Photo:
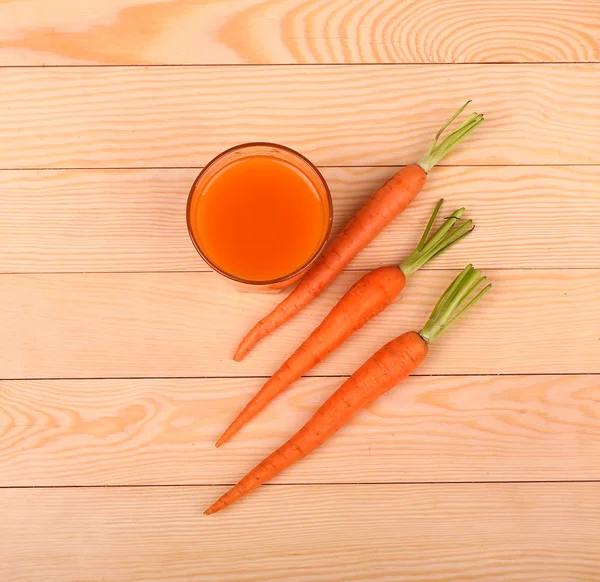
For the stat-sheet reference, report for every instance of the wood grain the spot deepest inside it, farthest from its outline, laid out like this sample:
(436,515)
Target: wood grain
(100,283)
(143,32)
(407,533)
(133,220)
(151,432)
(336,115)
(188,324)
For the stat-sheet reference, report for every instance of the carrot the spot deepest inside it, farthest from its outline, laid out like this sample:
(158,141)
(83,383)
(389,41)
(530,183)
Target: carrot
(366,298)
(387,203)
(385,368)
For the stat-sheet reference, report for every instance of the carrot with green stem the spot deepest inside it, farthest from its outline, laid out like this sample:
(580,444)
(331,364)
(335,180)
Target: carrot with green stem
(387,203)
(382,371)
(364,300)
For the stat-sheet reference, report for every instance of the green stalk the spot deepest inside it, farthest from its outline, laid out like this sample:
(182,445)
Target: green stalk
(438,151)
(454,237)
(430,224)
(450,292)
(459,297)
(445,237)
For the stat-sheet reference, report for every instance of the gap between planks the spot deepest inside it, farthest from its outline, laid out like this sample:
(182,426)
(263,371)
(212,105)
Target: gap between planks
(320,166)
(325,64)
(320,484)
(258,377)
(351,270)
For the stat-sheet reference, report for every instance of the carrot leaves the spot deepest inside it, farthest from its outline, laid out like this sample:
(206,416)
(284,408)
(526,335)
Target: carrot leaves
(438,151)
(466,290)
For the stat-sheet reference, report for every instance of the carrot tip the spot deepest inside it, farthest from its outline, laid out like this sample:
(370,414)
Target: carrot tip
(231,430)
(216,506)
(245,346)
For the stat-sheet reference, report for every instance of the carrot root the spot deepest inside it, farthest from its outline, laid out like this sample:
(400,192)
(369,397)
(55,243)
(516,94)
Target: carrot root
(250,340)
(383,370)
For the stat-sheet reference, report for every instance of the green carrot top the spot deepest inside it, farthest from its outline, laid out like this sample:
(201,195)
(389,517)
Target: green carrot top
(461,295)
(445,237)
(437,152)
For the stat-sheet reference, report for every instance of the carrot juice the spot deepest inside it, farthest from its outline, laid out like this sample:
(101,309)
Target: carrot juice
(261,216)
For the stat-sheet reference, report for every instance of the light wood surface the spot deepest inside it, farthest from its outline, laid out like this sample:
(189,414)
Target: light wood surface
(188,324)
(336,115)
(145,32)
(156,432)
(132,220)
(116,339)
(409,533)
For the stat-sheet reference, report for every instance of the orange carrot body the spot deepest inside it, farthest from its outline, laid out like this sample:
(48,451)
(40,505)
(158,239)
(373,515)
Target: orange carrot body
(370,295)
(382,371)
(387,203)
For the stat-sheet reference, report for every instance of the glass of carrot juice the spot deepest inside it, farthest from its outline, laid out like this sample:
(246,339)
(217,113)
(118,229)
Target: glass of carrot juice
(260,214)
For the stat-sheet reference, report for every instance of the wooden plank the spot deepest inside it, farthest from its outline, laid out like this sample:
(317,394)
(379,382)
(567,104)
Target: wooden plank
(143,32)
(133,220)
(408,533)
(337,115)
(188,324)
(151,432)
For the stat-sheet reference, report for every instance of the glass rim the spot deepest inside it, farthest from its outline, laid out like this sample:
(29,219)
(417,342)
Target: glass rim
(313,257)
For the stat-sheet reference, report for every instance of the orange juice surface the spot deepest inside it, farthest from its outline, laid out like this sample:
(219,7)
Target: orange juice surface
(260,218)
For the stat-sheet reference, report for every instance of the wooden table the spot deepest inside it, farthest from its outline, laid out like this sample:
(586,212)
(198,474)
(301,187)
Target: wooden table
(116,340)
